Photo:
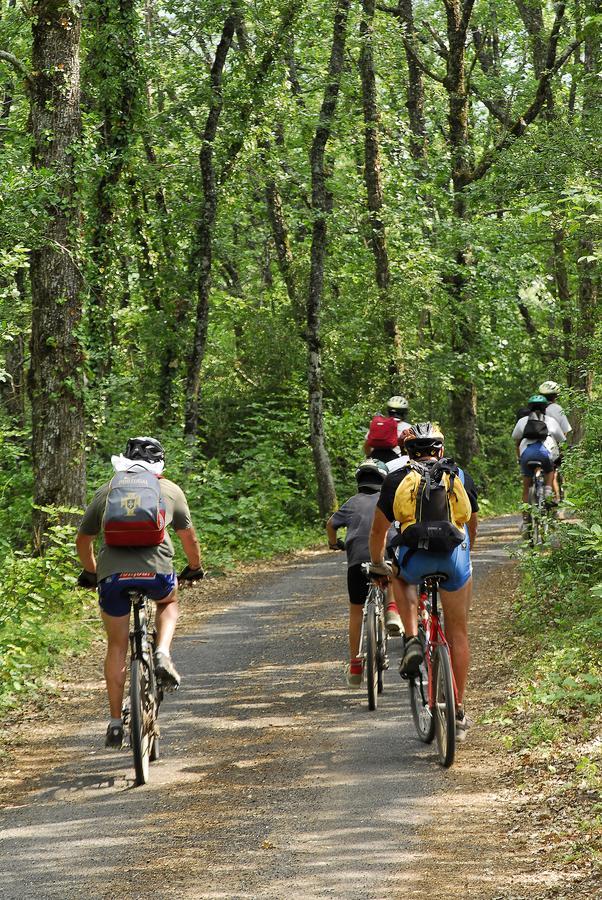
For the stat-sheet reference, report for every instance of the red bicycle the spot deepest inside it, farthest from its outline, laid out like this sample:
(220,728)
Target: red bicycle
(433,694)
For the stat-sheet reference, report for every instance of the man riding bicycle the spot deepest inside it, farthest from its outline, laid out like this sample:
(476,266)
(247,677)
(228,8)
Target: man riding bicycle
(129,562)
(411,564)
(397,408)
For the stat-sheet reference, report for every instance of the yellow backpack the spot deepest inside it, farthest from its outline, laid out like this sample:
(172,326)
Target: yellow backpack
(432,506)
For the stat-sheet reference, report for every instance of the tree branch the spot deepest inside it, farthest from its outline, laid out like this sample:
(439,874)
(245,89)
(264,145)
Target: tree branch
(17,65)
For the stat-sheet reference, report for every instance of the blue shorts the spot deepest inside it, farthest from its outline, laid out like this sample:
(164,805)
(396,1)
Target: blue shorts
(538,453)
(112,591)
(414,565)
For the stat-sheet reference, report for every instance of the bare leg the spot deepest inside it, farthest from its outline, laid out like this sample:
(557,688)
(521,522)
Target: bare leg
(526,486)
(166,615)
(356,612)
(407,604)
(117,629)
(455,610)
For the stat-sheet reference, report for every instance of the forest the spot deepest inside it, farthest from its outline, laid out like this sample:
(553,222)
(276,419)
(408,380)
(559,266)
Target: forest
(241,226)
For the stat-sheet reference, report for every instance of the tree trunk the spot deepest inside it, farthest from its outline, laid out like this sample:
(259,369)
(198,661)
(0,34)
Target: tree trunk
(463,392)
(114,63)
(56,382)
(565,301)
(321,201)
(531,13)
(204,237)
(374,190)
(415,91)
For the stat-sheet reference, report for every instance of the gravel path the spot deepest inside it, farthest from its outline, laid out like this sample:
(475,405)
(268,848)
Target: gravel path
(275,781)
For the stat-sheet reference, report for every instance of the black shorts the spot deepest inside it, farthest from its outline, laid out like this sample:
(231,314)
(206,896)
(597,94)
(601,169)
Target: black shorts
(357,585)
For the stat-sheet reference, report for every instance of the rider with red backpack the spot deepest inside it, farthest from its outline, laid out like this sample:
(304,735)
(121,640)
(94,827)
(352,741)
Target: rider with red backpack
(382,439)
(131,513)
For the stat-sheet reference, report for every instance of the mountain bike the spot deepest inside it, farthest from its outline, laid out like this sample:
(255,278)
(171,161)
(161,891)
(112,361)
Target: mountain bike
(141,712)
(540,520)
(433,694)
(373,640)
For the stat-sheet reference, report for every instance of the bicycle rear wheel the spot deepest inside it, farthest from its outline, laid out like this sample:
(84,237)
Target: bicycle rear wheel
(424,721)
(445,706)
(381,635)
(141,703)
(371,657)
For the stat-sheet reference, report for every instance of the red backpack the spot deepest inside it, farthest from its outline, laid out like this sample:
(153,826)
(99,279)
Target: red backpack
(134,513)
(383,432)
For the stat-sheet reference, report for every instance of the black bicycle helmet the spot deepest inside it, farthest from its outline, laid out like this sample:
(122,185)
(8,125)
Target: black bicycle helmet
(371,474)
(145,448)
(423,439)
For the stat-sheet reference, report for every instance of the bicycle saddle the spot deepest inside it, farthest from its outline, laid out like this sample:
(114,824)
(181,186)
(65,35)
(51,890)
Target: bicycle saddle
(436,576)
(533,464)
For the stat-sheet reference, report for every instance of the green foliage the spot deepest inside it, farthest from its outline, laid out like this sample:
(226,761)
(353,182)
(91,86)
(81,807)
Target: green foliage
(42,617)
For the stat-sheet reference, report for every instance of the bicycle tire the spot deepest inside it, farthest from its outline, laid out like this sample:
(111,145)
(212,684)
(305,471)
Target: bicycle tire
(371,658)
(140,737)
(424,721)
(445,706)
(381,643)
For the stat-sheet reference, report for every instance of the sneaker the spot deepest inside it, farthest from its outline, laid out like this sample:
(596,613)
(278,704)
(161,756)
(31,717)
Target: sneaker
(355,671)
(413,655)
(165,670)
(392,620)
(461,724)
(114,736)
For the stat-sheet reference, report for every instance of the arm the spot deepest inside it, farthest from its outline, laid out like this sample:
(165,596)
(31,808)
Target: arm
(332,534)
(367,448)
(84,544)
(378,536)
(190,545)
(473,523)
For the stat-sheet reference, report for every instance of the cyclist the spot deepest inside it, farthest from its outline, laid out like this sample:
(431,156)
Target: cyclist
(356,515)
(544,448)
(424,443)
(397,408)
(147,568)
(550,390)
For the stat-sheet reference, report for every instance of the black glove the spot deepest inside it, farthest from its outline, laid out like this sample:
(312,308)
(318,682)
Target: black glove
(340,545)
(188,574)
(87,579)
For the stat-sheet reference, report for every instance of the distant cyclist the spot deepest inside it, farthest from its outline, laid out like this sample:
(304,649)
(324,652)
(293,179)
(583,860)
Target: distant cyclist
(538,437)
(550,390)
(356,516)
(393,457)
(131,500)
(435,536)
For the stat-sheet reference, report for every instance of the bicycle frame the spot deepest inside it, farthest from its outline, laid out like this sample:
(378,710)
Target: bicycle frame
(376,597)
(428,615)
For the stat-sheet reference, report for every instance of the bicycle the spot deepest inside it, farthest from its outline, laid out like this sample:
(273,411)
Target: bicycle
(433,693)
(373,640)
(146,691)
(540,523)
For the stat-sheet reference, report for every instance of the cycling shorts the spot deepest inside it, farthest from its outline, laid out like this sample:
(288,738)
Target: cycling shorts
(538,453)
(112,591)
(357,585)
(415,565)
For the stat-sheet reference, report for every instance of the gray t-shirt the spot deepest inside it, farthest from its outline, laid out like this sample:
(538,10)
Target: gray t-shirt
(556,411)
(357,514)
(112,560)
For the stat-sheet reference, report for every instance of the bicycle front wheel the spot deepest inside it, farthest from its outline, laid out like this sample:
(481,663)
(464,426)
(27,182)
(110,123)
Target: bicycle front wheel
(424,721)
(141,704)
(445,706)
(371,657)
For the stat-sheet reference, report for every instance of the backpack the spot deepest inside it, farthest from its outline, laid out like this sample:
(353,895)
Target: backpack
(383,432)
(432,506)
(535,427)
(134,513)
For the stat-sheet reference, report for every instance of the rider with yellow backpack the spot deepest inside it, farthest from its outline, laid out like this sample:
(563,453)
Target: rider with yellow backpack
(435,505)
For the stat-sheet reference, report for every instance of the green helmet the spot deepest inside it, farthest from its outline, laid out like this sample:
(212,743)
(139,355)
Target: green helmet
(537,399)
(371,473)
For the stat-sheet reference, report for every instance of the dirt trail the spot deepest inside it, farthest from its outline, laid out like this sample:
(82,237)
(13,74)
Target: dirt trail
(275,781)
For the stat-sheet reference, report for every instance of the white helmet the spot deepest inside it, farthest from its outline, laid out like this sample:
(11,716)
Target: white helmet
(549,387)
(397,403)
